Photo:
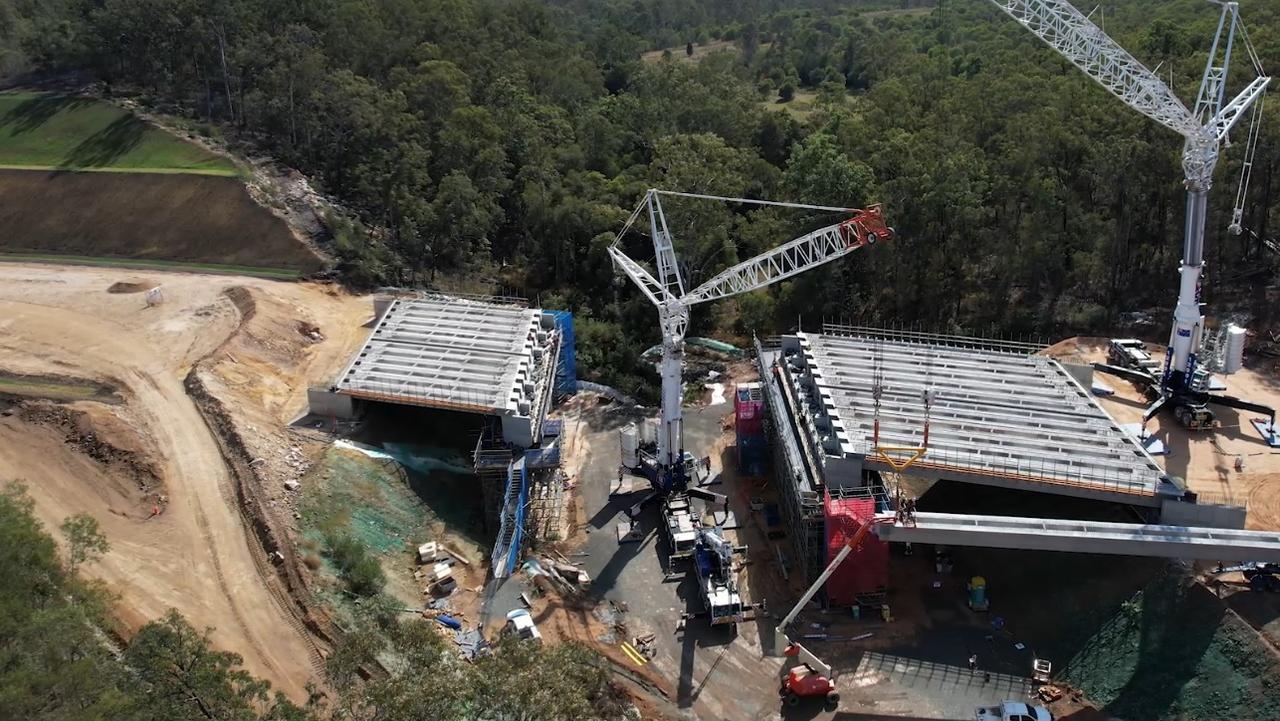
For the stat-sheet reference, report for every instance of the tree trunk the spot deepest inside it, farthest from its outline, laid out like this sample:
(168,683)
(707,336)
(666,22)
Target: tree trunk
(226,75)
(293,120)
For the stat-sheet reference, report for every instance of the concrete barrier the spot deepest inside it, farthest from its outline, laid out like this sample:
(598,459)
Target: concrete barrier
(1206,515)
(324,402)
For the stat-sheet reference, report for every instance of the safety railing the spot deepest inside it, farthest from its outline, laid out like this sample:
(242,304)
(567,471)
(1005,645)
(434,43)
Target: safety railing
(956,341)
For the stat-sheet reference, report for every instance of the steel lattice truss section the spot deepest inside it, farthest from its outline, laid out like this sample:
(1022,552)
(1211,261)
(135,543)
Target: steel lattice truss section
(1230,114)
(820,246)
(653,290)
(1088,48)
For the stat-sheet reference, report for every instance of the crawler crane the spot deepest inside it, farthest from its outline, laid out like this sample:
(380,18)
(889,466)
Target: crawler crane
(668,466)
(1205,129)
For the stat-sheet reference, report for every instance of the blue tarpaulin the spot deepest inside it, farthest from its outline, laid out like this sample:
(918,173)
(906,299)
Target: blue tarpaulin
(567,366)
(518,536)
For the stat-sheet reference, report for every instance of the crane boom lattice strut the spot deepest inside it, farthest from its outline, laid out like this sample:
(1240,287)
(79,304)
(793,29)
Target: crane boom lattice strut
(1073,35)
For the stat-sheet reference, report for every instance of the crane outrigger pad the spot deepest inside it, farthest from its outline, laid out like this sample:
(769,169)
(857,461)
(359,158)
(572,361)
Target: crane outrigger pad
(1268,431)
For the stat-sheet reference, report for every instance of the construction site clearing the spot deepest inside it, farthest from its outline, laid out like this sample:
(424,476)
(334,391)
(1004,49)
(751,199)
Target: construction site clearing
(182,425)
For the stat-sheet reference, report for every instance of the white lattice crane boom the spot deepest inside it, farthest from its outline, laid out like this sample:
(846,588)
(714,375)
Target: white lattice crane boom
(824,245)
(1073,35)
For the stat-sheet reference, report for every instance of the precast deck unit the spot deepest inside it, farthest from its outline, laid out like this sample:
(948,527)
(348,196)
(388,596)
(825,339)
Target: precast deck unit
(998,414)
(458,354)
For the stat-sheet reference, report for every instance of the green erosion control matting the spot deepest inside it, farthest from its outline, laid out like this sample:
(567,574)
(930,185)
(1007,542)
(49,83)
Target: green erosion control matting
(1173,652)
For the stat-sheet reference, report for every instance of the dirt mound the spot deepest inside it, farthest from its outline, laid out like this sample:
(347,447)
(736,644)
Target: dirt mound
(1077,349)
(190,218)
(243,300)
(130,287)
(95,432)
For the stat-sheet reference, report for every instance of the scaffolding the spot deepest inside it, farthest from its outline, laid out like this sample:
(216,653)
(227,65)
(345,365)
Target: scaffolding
(798,480)
(490,461)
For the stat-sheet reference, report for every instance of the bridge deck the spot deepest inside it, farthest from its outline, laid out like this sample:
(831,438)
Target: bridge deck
(1047,534)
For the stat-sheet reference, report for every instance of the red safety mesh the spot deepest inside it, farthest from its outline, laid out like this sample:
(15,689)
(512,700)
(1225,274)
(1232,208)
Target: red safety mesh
(866,570)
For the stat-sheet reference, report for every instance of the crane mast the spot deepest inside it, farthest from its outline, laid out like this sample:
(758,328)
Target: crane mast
(1066,30)
(667,293)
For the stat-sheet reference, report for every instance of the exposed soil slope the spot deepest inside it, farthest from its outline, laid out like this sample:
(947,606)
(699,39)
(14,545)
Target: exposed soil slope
(198,555)
(195,218)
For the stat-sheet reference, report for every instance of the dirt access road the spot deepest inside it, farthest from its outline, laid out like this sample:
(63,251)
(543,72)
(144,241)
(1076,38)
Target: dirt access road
(197,556)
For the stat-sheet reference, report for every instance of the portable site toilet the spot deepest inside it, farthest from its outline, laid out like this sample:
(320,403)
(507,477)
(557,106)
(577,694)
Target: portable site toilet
(977,588)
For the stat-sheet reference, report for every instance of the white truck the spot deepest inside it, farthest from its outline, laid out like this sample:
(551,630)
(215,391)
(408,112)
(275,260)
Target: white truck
(1012,711)
(1132,353)
(520,623)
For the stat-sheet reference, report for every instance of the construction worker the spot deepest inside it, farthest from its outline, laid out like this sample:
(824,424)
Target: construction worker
(911,511)
(973,663)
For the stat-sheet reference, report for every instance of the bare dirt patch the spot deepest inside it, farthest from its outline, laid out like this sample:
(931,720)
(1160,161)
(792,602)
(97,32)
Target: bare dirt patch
(91,441)
(192,218)
(200,555)
(1205,461)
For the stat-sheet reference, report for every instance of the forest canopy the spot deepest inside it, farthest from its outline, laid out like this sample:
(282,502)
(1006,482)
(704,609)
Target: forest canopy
(500,144)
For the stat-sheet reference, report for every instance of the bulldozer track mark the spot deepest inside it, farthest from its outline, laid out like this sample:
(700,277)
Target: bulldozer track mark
(256,527)
(260,534)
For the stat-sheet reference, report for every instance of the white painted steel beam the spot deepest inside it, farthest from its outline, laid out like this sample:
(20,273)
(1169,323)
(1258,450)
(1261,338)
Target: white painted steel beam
(1123,539)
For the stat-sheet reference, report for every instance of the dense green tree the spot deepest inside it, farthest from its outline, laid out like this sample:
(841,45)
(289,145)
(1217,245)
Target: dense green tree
(53,664)
(504,140)
(85,541)
(819,173)
(175,669)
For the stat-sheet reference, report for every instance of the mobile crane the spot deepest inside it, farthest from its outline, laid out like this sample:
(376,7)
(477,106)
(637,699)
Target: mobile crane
(1205,129)
(666,464)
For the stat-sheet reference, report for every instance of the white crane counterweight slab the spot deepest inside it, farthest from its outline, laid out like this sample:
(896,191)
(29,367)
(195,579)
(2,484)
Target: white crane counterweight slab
(1049,534)
(998,415)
